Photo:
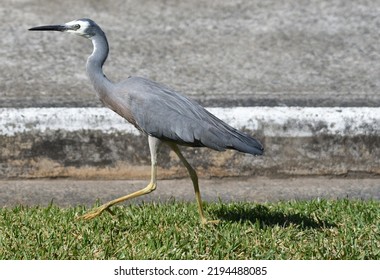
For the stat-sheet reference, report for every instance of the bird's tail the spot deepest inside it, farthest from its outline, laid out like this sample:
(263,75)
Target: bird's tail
(246,144)
(228,137)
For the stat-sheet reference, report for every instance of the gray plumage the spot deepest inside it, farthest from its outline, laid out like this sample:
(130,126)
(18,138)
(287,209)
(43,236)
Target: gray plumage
(155,109)
(165,114)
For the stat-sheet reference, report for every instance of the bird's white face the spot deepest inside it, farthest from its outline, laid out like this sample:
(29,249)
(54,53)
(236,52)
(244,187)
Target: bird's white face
(82,27)
(78,27)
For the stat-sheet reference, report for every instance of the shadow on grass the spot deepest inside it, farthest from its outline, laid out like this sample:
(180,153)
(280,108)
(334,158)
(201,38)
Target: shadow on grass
(265,217)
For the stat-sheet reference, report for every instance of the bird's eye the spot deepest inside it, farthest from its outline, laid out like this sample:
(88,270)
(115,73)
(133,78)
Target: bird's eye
(76,26)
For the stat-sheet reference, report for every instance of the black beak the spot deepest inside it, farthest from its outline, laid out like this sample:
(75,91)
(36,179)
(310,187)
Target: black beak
(49,28)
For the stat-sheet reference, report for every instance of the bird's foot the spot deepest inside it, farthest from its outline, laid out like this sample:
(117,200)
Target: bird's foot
(210,222)
(96,212)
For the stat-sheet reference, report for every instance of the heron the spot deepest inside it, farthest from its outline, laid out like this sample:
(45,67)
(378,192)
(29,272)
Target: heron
(158,111)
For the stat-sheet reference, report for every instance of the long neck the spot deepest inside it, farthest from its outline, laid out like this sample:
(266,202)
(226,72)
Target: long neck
(95,63)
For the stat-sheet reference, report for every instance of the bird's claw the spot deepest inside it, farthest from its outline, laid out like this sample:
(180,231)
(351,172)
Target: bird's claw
(95,212)
(210,222)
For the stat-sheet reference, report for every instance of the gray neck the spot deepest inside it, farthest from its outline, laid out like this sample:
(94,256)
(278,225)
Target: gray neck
(95,63)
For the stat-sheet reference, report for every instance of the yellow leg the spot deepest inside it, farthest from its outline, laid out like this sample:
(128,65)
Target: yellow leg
(194,179)
(153,145)
(99,210)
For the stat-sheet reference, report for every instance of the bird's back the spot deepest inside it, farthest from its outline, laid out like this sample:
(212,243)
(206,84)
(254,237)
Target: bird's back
(170,116)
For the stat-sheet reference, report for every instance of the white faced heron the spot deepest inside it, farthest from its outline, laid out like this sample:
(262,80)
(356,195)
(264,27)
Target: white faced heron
(161,113)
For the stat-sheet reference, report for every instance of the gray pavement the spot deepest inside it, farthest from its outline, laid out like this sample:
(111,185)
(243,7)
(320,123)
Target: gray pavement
(306,53)
(260,189)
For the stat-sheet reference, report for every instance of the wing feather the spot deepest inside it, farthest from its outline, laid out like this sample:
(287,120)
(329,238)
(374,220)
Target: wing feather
(163,113)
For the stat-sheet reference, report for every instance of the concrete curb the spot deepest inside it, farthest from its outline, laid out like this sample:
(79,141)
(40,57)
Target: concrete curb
(96,143)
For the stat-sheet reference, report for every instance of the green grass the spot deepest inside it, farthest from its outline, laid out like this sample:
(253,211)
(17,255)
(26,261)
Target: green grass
(317,229)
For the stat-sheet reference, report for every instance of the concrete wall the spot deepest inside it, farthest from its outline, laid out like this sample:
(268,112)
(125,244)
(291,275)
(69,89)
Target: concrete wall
(96,143)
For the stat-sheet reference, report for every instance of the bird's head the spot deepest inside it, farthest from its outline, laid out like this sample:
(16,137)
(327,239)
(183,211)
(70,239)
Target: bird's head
(83,27)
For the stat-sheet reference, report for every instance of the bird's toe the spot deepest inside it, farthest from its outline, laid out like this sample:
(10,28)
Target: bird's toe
(93,213)
(210,222)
